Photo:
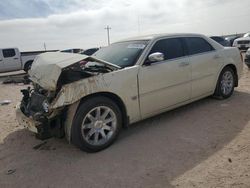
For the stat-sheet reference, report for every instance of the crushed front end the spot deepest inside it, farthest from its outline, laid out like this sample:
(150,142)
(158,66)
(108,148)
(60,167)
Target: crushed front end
(55,75)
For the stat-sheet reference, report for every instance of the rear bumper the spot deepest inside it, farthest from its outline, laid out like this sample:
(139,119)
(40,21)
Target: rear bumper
(27,122)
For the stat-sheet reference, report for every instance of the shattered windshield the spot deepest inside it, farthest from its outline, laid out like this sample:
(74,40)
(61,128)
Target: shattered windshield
(123,54)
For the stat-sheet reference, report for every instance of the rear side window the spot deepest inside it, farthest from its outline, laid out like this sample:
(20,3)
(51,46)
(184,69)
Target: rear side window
(196,45)
(218,39)
(90,51)
(9,53)
(171,48)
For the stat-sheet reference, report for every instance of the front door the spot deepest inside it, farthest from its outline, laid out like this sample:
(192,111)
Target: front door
(166,83)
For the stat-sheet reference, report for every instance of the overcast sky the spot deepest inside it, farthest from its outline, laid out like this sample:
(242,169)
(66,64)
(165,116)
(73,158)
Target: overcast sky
(62,24)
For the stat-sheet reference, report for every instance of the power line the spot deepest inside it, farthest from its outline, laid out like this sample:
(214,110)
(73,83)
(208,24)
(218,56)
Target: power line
(108,28)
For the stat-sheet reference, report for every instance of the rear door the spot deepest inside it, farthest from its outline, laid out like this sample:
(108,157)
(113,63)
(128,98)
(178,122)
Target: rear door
(11,59)
(205,63)
(166,83)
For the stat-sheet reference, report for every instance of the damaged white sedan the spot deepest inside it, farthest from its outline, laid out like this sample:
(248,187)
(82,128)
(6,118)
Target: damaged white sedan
(89,99)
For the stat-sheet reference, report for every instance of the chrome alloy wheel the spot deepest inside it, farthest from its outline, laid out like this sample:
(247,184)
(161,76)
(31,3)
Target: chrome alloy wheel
(227,82)
(99,125)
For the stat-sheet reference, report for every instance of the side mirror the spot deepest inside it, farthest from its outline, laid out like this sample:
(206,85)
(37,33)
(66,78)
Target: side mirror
(155,57)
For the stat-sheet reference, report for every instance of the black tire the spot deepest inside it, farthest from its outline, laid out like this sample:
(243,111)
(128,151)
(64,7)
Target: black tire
(27,66)
(77,136)
(219,92)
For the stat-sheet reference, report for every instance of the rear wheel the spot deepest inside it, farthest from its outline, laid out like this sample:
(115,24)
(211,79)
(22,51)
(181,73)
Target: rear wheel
(96,124)
(225,84)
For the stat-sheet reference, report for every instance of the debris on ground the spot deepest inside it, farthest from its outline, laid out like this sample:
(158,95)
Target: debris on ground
(15,80)
(5,102)
(11,171)
(43,146)
(38,146)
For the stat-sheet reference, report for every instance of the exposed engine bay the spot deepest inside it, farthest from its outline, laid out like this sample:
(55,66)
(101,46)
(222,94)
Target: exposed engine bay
(82,69)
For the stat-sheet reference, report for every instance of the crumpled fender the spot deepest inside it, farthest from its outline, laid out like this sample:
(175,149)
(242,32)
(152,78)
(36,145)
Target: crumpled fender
(69,119)
(73,92)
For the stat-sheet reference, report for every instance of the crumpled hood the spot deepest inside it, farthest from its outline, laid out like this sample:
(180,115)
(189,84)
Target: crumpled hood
(47,67)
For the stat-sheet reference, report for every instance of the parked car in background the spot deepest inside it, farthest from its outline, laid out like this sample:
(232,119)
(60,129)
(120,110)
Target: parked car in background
(243,43)
(11,59)
(73,50)
(221,40)
(231,39)
(247,58)
(90,51)
(90,98)
(247,35)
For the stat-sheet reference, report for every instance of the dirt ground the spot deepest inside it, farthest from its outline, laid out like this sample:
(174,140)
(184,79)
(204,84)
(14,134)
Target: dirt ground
(204,144)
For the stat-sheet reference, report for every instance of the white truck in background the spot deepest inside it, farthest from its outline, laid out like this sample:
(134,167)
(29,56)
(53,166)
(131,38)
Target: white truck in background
(243,43)
(11,59)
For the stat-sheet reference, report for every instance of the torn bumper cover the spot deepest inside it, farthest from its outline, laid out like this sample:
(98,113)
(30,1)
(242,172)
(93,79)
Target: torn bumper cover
(44,128)
(25,121)
(32,113)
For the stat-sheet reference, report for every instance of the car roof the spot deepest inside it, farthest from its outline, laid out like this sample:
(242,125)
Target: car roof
(156,36)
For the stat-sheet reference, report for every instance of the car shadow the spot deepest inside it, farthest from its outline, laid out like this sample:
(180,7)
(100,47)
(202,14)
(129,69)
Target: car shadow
(150,153)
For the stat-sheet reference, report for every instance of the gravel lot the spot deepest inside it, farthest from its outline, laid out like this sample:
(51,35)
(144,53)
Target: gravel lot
(204,144)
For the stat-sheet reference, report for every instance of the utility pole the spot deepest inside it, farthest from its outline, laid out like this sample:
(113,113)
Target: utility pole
(139,26)
(108,28)
(44,45)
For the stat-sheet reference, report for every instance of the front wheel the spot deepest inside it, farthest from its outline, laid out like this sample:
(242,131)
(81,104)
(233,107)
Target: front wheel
(225,83)
(96,124)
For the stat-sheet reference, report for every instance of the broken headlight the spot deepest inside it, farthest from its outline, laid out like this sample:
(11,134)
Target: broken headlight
(45,105)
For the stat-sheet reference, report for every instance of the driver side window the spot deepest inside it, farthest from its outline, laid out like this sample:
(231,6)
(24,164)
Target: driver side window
(171,48)
(8,53)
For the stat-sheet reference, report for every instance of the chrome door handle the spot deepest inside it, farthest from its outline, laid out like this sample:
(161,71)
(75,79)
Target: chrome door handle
(183,64)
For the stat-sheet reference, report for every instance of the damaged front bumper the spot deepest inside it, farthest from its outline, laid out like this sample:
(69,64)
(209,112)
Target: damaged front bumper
(43,129)
(33,115)
(25,121)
